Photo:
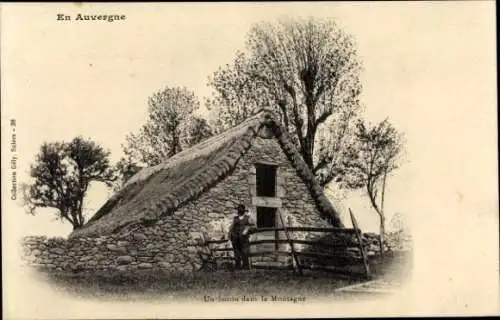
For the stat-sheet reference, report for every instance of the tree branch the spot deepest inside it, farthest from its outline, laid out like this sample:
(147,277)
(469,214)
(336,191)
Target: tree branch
(323,161)
(372,196)
(323,117)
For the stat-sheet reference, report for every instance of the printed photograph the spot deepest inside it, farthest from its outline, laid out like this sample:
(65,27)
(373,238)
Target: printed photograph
(263,155)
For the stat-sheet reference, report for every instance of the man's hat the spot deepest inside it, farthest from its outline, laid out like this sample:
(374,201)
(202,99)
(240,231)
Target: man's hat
(242,207)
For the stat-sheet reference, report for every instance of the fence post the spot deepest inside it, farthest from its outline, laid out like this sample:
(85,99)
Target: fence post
(294,256)
(360,241)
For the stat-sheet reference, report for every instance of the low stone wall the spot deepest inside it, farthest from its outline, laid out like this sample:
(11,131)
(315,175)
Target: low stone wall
(107,253)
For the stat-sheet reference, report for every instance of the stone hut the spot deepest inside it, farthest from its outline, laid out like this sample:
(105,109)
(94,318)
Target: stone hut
(157,218)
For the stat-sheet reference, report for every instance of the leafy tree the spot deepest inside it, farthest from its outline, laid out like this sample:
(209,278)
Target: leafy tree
(379,150)
(309,71)
(62,174)
(126,168)
(171,126)
(197,130)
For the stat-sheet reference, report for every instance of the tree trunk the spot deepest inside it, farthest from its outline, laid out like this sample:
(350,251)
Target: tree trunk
(309,139)
(308,156)
(383,190)
(66,216)
(382,214)
(382,235)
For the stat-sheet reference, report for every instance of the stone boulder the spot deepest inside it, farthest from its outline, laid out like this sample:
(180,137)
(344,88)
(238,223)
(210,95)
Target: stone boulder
(115,248)
(122,260)
(56,251)
(145,265)
(139,236)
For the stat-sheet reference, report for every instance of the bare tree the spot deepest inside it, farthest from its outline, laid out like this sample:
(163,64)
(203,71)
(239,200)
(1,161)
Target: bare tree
(62,174)
(309,71)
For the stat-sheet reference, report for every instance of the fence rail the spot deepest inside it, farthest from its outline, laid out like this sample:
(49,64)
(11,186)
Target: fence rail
(216,241)
(305,229)
(305,242)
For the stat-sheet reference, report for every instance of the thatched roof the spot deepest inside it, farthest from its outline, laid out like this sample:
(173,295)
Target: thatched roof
(161,189)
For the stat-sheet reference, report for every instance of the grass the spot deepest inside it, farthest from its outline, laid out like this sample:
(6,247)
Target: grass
(396,267)
(157,284)
(160,285)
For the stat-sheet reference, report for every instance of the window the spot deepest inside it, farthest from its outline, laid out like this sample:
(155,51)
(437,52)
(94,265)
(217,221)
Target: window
(266,217)
(266,180)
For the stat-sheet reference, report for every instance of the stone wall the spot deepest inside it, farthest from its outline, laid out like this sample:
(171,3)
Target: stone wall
(172,242)
(135,251)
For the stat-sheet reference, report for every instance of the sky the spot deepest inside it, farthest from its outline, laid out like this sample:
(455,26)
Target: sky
(429,67)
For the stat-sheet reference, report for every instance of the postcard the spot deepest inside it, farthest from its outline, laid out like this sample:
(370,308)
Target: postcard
(249,160)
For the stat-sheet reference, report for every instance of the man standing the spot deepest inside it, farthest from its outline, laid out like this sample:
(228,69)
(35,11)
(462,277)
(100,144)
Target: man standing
(238,233)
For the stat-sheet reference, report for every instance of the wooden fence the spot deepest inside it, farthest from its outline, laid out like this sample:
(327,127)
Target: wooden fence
(338,250)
